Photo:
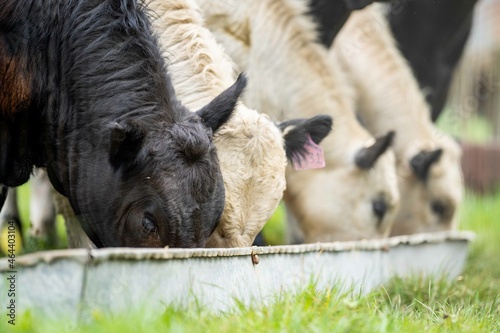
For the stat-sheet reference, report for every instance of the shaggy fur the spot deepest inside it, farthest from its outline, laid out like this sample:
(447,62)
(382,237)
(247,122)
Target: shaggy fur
(390,99)
(250,147)
(274,42)
(102,117)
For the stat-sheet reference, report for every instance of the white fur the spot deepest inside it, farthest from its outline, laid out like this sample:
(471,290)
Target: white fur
(274,42)
(250,147)
(42,210)
(390,99)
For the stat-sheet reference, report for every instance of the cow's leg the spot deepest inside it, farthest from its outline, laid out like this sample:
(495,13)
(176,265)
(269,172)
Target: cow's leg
(10,211)
(293,232)
(42,210)
(77,238)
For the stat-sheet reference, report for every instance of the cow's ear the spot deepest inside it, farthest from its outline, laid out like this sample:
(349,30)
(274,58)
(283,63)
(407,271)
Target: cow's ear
(296,133)
(422,162)
(366,157)
(220,109)
(126,142)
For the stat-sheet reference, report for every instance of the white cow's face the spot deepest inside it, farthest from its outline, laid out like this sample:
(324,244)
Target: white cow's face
(253,164)
(431,200)
(253,157)
(341,203)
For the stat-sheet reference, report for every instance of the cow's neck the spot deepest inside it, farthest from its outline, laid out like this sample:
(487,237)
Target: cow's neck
(389,96)
(319,88)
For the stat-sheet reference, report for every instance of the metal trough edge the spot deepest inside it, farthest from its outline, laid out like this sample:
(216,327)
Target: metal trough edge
(96,255)
(76,283)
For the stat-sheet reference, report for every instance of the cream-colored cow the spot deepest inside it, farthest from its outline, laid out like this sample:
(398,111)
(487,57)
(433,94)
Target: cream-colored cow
(356,195)
(428,161)
(250,147)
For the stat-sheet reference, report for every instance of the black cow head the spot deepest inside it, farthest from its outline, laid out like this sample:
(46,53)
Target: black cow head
(163,185)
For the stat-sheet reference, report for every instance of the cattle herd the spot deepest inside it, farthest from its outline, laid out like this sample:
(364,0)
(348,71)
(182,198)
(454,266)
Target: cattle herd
(184,123)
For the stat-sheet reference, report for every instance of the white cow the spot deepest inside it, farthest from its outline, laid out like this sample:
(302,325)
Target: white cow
(429,172)
(356,195)
(250,147)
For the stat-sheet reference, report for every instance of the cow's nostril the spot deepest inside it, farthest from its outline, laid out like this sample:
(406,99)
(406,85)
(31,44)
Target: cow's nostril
(379,208)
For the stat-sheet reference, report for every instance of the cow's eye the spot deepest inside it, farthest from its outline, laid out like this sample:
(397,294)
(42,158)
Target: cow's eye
(148,224)
(438,208)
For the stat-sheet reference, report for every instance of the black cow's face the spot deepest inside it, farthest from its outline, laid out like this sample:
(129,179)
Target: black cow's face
(162,185)
(173,195)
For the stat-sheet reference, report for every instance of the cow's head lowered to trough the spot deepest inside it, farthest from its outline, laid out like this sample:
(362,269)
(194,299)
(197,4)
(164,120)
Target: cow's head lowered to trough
(353,201)
(99,111)
(253,153)
(431,184)
(164,185)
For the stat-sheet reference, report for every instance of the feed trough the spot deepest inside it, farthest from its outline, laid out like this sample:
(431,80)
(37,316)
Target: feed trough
(78,282)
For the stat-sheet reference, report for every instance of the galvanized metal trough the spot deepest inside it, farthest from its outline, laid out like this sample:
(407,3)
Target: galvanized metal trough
(75,283)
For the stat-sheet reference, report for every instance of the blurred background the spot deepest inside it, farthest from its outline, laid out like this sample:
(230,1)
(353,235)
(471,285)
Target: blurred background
(472,112)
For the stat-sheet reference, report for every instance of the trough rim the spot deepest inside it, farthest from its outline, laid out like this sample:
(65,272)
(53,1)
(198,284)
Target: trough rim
(123,253)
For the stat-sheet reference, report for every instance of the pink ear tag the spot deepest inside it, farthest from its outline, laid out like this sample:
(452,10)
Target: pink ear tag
(313,159)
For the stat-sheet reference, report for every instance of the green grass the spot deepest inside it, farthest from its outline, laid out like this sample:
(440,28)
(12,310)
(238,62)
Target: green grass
(274,230)
(471,303)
